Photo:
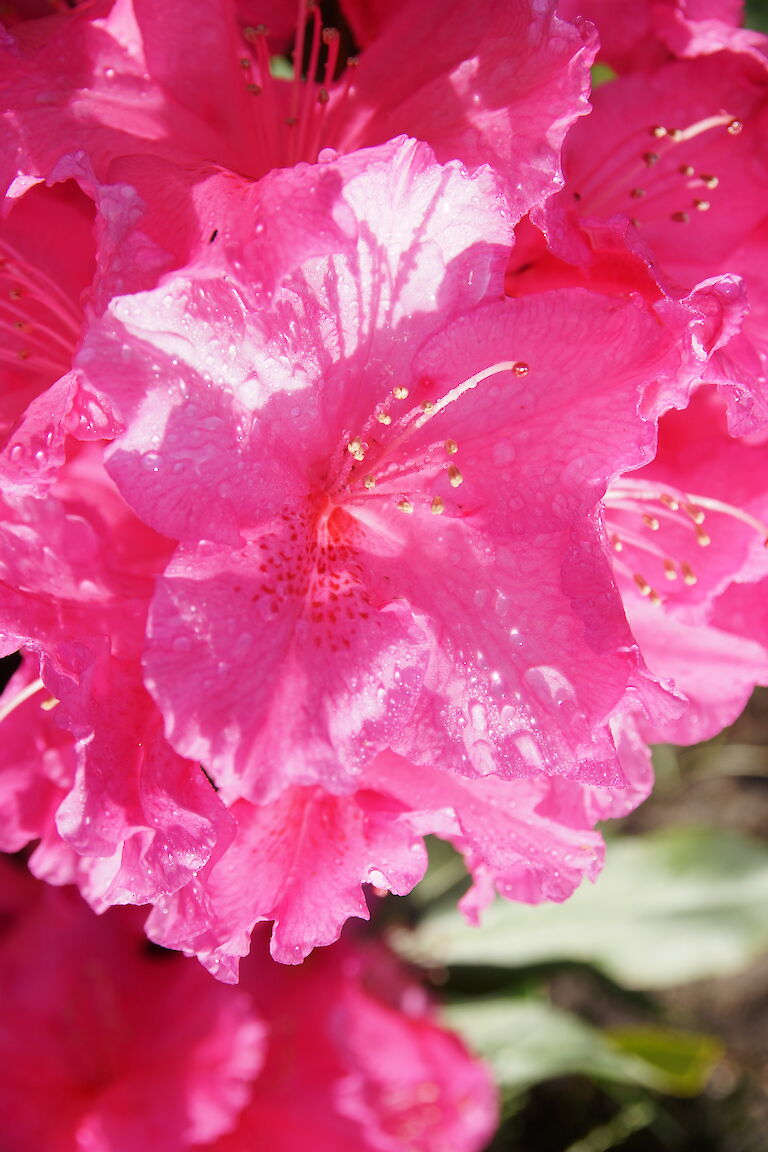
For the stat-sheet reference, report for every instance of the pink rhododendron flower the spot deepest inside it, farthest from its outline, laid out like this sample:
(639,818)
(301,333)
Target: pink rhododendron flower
(692,564)
(136,1048)
(355,1038)
(680,154)
(340,531)
(128,1050)
(499,83)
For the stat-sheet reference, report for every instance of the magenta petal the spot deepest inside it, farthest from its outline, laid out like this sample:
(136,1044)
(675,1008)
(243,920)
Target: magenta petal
(132,1051)
(299,861)
(499,84)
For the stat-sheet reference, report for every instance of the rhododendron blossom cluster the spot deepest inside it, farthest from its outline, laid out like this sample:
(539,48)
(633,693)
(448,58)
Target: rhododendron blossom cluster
(383,444)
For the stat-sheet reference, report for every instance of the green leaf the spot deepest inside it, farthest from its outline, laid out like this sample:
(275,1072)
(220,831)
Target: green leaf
(684,1060)
(679,905)
(527,1041)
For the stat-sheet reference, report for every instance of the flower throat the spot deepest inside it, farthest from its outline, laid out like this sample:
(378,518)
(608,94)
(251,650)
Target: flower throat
(297,110)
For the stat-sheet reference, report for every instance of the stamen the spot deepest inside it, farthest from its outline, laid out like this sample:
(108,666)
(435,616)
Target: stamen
(451,447)
(21,698)
(405,506)
(730,510)
(689,576)
(437,506)
(466,386)
(454,476)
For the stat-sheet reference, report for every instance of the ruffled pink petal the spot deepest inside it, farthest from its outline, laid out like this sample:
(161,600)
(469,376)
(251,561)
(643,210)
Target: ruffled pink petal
(125,78)
(299,861)
(527,840)
(497,84)
(640,35)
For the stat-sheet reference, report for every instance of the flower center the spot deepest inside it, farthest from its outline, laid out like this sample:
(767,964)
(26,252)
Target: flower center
(642,515)
(652,174)
(40,325)
(298,114)
(396,460)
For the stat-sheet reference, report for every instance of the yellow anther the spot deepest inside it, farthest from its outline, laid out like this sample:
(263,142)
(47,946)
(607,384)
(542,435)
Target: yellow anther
(702,205)
(405,506)
(356,448)
(669,570)
(454,475)
(669,501)
(427,407)
(735,127)
(703,539)
(383,418)
(644,587)
(617,543)
(369,482)
(710,181)
(651,522)
(659,132)
(451,447)
(437,506)
(689,576)
(687,169)
(696,514)
(399,392)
